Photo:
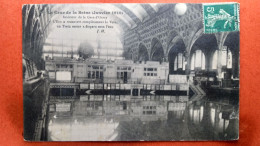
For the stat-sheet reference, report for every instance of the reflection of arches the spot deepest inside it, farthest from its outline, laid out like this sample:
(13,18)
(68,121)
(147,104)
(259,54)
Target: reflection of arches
(202,51)
(142,53)
(176,58)
(196,113)
(207,119)
(157,53)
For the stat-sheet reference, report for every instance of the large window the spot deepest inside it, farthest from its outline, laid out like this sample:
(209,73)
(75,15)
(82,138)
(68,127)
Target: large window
(226,58)
(95,71)
(198,60)
(64,66)
(150,71)
(179,62)
(123,72)
(215,60)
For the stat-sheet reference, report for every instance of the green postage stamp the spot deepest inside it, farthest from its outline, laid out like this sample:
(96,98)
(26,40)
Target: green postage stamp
(220,17)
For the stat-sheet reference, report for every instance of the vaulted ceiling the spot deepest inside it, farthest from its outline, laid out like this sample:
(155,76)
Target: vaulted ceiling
(134,14)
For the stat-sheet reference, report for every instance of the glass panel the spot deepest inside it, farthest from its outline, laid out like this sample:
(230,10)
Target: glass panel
(180,60)
(95,67)
(175,63)
(203,62)
(224,56)
(192,61)
(93,74)
(150,69)
(183,63)
(215,60)
(89,74)
(229,59)
(97,74)
(101,75)
(198,58)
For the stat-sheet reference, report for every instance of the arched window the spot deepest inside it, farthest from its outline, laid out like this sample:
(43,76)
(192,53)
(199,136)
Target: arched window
(226,58)
(198,60)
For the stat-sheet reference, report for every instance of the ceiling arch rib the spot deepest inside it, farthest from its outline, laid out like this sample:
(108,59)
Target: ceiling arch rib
(138,10)
(148,8)
(129,13)
(155,7)
(126,19)
(124,22)
(121,23)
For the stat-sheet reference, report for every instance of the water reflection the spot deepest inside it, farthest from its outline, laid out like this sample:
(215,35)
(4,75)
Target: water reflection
(124,118)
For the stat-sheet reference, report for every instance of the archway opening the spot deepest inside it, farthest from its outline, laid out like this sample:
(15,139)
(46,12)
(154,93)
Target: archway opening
(198,60)
(225,60)
(177,58)
(202,52)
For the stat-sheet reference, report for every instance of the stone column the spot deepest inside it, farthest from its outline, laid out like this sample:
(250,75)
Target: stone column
(219,65)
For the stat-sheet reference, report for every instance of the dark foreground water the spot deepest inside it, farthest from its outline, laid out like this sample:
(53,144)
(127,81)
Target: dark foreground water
(154,118)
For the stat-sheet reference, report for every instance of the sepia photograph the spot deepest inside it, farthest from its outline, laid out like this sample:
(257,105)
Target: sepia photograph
(131,72)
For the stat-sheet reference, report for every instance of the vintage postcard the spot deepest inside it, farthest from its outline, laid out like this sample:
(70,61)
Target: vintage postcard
(131,72)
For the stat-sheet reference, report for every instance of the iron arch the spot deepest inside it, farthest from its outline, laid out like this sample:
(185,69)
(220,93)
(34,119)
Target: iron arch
(143,53)
(207,44)
(176,58)
(157,53)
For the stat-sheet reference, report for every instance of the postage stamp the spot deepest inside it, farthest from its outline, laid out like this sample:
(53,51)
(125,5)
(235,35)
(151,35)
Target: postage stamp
(220,17)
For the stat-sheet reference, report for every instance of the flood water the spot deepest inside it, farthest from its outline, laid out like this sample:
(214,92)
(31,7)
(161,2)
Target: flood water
(154,118)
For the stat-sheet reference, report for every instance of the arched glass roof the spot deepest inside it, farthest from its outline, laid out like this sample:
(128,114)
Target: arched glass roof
(68,39)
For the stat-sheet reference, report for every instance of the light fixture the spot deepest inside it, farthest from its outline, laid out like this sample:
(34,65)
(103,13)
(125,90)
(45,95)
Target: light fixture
(180,9)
